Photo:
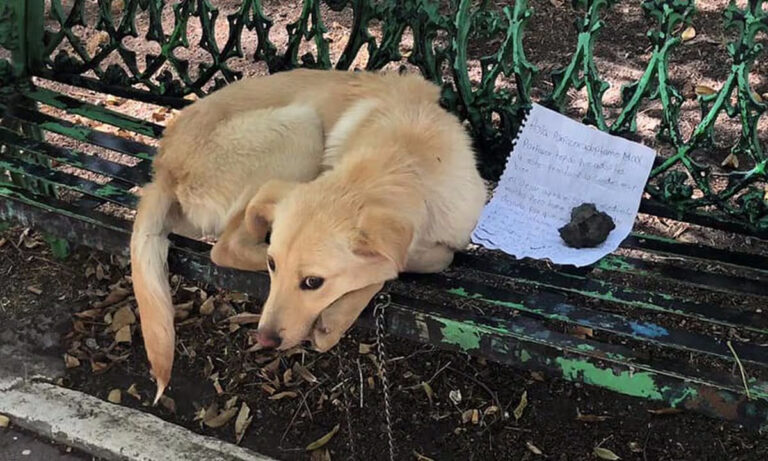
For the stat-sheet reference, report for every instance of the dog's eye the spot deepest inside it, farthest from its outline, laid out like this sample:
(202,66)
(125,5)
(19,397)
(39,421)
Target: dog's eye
(311,283)
(271,263)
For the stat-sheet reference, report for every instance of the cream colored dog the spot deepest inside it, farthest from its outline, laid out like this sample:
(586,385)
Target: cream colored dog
(358,176)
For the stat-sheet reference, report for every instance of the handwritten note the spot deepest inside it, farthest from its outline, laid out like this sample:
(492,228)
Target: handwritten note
(556,165)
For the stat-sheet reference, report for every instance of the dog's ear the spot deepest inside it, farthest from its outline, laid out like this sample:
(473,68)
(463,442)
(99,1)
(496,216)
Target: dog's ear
(260,211)
(382,233)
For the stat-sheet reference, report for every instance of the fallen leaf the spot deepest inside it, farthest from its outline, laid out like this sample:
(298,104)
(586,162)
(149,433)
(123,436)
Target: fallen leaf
(89,314)
(518,413)
(70,361)
(320,455)
(490,411)
(466,416)
(420,457)
(94,43)
(114,100)
(2,242)
(101,273)
(4,421)
(124,316)
(219,419)
(283,395)
(208,306)
(537,376)
(757,97)
(731,161)
(115,396)
(581,332)
(533,448)
(244,318)
(371,382)
(635,447)
(303,373)
(230,403)
(428,390)
(764,96)
(242,422)
(604,453)
(123,335)
(268,389)
(133,392)
(365,348)
(98,367)
(455,396)
(115,296)
(322,441)
(665,411)
(34,290)
(688,34)
(168,403)
(704,90)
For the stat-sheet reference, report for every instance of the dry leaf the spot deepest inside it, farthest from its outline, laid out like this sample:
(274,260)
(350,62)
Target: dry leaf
(4,421)
(521,406)
(490,411)
(537,376)
(219,419)
(320,455)
(268,389)
(322,441)
(731,161)
(764,96)
(168,403)
(533,448)
(244,318)
(114,100)
(34,290)
(123,335)
(124,316)
(365,348)
(581,332)
(70,361)
(89,314)
(704,90)
(428,390)
(242,422)
(635,447)
(208,306)
(230,403)
(455,396)
(101,273)
(688,34)
(98,367)
(115,396)
(665,411)
(287,377)
(115,296)
(604,453)
(306,375)
(757,97)
(96,40)
(133,392)
(420,457)
(283,395)
(466,416)
(2,242)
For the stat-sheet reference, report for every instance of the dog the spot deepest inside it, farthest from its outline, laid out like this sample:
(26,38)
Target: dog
(355,176)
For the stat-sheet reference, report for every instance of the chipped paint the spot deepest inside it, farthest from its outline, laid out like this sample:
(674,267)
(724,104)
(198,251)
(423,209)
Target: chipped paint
(637,384)
(649,330)
(467,337)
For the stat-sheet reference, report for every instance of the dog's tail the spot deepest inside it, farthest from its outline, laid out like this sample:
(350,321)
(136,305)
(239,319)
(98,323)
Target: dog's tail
(149,254)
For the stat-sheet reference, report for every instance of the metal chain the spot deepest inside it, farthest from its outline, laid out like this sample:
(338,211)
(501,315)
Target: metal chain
(382,301)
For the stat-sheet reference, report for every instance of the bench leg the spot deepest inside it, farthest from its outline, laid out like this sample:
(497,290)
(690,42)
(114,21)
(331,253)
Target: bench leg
(336,319)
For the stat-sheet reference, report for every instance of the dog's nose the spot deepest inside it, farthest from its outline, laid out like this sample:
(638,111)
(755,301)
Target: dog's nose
(268,339)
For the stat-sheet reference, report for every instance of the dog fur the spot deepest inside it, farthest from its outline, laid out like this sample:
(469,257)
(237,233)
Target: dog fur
(358,176)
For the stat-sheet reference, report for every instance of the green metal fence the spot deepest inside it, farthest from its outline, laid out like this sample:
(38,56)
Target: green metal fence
(446,37)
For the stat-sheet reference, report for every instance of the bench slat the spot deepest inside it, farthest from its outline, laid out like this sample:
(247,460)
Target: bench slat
(134,175)
(100,191)
(94,112)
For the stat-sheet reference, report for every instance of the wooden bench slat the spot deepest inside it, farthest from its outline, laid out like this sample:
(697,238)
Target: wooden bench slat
(130,174)
(94,112)
(564,282)
(79,132)
(100,191)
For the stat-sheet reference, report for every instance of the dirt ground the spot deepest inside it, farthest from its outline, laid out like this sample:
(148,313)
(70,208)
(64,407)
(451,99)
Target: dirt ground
(302,405)
(444,405)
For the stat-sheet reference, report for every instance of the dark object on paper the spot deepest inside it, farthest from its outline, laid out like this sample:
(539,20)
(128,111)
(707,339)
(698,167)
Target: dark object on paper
(588,227)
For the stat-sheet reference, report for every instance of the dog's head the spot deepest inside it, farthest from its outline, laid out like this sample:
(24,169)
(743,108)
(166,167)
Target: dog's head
(324,244)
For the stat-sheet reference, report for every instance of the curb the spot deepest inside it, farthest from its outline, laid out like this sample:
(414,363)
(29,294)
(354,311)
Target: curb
(106,430)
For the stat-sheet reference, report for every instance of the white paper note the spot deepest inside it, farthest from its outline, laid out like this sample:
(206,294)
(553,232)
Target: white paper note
(556,165)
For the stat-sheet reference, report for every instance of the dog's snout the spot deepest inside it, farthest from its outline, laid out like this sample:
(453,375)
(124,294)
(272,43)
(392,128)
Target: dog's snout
(268,339)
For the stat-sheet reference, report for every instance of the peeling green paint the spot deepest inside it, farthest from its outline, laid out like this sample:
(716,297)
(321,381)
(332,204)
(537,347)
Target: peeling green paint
(75,132)
(457,333)
(524,356)
(638,384)
(615,263)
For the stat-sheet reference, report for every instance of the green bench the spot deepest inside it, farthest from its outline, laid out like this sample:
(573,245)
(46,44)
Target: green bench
(669,321)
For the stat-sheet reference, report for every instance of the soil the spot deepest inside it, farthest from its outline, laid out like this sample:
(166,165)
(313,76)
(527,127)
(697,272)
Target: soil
(298,397)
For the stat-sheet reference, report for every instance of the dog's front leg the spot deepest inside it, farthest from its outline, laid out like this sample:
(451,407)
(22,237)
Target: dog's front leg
(336,319)
(239,249)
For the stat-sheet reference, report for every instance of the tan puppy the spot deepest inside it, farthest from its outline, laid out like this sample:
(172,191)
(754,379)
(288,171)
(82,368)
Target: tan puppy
(400,192)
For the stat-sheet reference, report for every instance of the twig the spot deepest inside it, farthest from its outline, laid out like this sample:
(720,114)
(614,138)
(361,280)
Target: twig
(741,369)
(360,372)
(487,389)
(440,370)
(296,413)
